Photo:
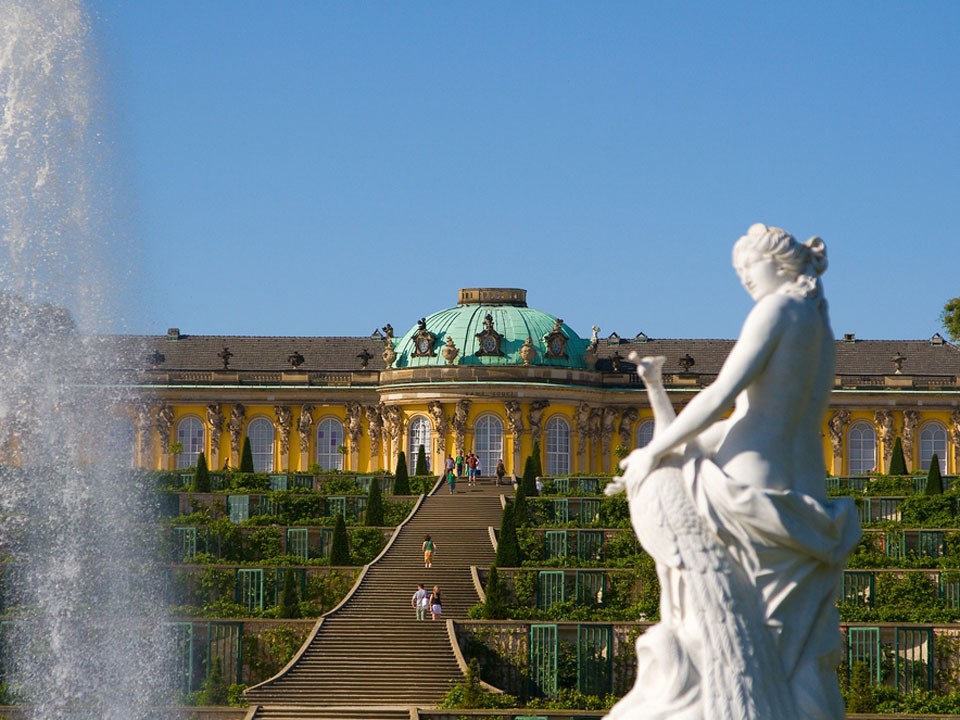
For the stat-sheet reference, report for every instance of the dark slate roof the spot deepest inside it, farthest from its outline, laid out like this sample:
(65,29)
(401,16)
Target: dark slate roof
(856,357)
(202,353)
(341,354)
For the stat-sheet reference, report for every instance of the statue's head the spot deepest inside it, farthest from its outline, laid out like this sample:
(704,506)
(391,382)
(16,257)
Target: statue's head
(796,266)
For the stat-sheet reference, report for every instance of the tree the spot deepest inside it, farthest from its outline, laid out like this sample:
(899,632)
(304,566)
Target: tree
(340,545)
(246,457)
(401,483)
(495,604)
(508,548)
(290,596)
(950,317)
(934,478)
(374,514)
(201,476)
(898,464)
(422,469)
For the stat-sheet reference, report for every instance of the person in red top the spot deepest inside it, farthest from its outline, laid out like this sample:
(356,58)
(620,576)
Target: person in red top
(472,462)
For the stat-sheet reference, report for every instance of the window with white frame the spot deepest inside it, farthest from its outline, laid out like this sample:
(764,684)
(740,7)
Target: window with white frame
(558,446)
(190,437)
(644,433)
(861,448)
(933,440)
(488,443)
(420,428)
(260,432)
(329,441)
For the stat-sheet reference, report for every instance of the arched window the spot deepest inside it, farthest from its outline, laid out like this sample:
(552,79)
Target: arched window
(558,446)
(190,437)
(260,432)
(329,440)
(933,439)
(644,433)
(862,448)
(488,443)
(420,428)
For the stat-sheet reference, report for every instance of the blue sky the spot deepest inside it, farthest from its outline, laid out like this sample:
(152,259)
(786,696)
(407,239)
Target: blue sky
(323,168)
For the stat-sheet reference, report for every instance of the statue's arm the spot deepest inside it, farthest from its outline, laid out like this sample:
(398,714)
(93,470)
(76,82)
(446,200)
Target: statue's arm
(748,358)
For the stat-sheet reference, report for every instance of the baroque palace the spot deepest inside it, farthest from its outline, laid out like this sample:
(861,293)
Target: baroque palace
(494,376)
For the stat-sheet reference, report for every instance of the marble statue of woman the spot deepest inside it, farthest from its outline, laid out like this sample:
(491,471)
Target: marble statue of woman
(733,509)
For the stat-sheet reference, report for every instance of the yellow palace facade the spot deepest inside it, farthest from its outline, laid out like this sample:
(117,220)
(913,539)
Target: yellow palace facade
(494,376)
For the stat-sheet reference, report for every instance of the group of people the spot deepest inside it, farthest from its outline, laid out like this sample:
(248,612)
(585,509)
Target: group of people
(454,468)
(424,600)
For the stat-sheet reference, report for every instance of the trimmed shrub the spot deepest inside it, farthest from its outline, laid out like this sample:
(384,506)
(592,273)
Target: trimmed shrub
(374,514)
(898,464)
(421,462)
(528,483)
(246,457)
(340,545)
(201,476)
(401,483)
(934,478)
(495,605)
(537,463)
(290,596)
(508,549)
(214,690)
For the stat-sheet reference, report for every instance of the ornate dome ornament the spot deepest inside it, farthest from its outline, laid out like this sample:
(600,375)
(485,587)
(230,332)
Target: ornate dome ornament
(489,339)
(556,341)
(424,340)
(528,352)
(449,351)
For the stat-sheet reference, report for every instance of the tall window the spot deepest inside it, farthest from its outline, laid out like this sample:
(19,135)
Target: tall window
(122,443)
(862,448)
(644,433)
(329,440)
(933,439)
(558,446)
(260,432)
(419,435)
(488,443)
(190,437)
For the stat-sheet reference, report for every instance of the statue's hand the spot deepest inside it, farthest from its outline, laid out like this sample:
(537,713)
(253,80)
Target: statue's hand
(650,369)
(636,466)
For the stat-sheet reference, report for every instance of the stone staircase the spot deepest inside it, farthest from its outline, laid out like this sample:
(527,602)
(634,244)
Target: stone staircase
(370,658)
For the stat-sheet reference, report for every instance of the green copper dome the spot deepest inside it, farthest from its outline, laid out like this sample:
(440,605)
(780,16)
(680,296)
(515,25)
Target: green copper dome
(490,326)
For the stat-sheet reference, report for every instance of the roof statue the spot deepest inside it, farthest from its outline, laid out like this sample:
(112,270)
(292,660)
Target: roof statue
(749,549)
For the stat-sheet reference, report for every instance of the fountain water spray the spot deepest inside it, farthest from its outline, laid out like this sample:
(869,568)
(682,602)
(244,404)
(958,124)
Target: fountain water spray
(81,632)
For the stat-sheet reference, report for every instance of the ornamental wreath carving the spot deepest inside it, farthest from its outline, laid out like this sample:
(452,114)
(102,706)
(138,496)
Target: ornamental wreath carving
(164,426)
(303,427)
(215,420)
(284,422)
(236,426)
(534,415)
